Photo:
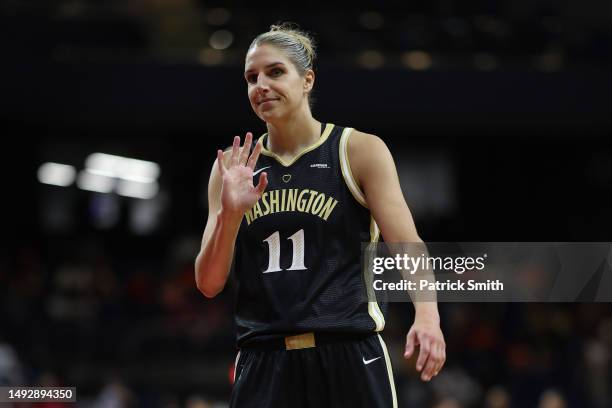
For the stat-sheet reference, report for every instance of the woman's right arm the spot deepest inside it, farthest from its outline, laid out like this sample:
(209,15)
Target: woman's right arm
(213,262)
(230,194)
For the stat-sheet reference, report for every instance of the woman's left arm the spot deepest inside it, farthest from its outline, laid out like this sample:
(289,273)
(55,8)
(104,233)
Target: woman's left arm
(373,167)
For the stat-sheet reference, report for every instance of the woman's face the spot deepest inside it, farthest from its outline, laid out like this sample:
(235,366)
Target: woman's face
(275,87)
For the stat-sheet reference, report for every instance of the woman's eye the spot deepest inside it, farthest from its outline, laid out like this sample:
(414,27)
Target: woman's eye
(252,79)
(276,71)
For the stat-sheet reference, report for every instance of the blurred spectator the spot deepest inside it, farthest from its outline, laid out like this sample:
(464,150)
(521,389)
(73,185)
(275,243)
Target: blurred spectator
(11,372)
(196,401)
(453,383)
(448,403)
(552,399)
(115,394)
(51,379)
(597,365)
(73,294)
(497,397)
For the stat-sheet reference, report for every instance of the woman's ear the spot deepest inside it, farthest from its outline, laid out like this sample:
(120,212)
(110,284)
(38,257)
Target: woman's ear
(309,78)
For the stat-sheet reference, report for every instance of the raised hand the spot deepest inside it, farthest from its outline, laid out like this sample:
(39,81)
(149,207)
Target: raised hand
(238,194)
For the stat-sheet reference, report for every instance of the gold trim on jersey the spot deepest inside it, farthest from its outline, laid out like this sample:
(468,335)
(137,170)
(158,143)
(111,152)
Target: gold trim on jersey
(322,139)
(389,370)
(236,365)
(374,230)
(373,308)
(376,315)
(347,174)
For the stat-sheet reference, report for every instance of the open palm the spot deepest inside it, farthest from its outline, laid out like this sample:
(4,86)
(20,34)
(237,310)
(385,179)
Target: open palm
(238,194)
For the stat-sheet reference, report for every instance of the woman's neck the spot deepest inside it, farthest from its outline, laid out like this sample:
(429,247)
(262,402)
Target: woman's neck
(289,137)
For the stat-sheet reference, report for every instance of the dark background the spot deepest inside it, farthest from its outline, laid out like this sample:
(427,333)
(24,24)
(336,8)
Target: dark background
(498,116)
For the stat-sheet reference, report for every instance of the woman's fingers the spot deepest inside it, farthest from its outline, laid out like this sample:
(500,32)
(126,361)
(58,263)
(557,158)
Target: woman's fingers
(435,360)
(254,156)
(240,156)
(244,155)
(220,162)
(442,359)
(430,366)
(424,351)
(235,151)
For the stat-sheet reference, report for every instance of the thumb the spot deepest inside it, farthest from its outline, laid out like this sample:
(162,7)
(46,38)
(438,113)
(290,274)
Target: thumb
(411,341)
(262,184)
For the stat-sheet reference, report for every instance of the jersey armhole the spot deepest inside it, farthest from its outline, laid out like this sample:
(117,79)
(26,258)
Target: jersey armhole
(351,182)
(347,174)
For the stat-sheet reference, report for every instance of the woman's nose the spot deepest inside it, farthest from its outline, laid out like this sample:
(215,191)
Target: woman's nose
(262,88)
(262,82)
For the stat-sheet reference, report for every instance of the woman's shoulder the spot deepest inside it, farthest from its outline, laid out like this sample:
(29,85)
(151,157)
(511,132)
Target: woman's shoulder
(363,137)
(362,145)
(365,150)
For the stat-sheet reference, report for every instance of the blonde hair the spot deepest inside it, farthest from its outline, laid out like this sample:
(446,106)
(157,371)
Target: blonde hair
(298,45)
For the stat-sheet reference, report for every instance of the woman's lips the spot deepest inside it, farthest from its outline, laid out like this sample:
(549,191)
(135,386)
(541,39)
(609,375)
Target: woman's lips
(268,100)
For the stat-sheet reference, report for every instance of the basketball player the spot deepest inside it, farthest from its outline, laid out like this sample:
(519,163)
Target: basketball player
(292,212)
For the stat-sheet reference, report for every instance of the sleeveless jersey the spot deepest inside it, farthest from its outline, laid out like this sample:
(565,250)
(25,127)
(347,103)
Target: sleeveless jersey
(298,250)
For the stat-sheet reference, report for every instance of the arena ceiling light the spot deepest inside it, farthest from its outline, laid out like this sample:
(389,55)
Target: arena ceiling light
(136,189)
(417,60)
(106,173)
(95,181)
(123,167)
(56,174)
(221,39)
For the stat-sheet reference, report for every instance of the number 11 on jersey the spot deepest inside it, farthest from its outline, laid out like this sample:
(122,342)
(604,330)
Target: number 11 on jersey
(274,252)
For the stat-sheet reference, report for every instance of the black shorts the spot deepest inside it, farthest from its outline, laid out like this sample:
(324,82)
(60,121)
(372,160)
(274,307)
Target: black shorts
(336,372)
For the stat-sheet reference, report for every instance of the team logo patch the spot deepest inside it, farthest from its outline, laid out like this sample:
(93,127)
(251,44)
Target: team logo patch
(286,177)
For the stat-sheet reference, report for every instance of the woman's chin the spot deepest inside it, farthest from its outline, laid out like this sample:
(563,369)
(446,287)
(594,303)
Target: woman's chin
(269,115)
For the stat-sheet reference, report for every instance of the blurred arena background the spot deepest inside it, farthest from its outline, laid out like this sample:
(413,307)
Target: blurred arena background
(498,115)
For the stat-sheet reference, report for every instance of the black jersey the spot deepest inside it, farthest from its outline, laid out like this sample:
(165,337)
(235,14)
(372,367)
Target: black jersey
(298,250)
